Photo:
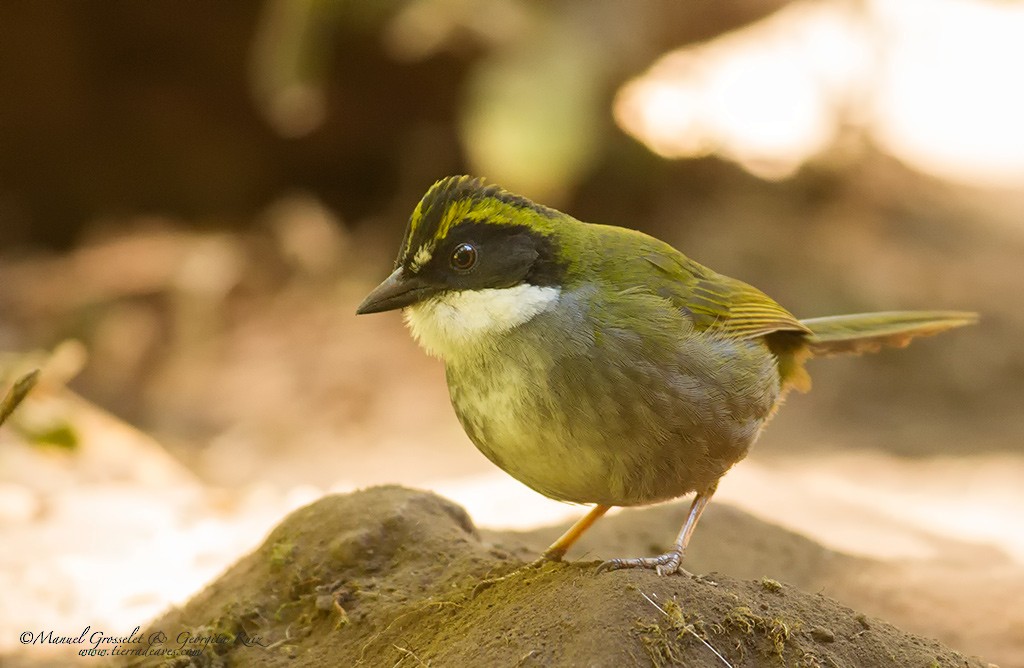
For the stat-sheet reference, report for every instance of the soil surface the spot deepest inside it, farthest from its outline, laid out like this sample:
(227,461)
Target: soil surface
(390,576)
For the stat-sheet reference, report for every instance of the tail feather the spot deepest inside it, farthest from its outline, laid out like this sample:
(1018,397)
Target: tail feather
(868,332)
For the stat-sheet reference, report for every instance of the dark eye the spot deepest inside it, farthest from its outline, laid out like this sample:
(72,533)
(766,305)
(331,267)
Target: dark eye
(463,257)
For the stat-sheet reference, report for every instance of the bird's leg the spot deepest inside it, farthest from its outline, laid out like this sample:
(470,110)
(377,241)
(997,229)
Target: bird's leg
(668,563)
(566,540)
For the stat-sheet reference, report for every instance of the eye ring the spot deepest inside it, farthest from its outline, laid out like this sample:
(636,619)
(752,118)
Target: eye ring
(464,257)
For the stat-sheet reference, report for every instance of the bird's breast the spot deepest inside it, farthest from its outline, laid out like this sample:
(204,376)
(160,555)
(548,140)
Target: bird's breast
(515,418)
(608,418)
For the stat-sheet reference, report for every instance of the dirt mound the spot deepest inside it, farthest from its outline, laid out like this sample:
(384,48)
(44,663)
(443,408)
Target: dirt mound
(390,576)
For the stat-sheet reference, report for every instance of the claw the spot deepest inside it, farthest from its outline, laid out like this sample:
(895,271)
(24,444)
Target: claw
(610,565)
(665,564)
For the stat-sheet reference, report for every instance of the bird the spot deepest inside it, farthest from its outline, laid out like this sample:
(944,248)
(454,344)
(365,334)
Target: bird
(599,365)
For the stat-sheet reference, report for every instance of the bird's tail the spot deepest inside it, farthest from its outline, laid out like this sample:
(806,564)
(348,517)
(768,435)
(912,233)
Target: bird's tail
(868,332)
(858,333)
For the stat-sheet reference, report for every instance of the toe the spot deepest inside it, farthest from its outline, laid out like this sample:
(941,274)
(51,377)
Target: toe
(611,565)
(665,564)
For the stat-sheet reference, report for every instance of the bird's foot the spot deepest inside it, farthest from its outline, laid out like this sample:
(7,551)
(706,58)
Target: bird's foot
(542,561)
(665,564)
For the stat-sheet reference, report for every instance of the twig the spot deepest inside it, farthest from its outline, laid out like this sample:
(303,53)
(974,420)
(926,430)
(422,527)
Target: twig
(408,652)
(17,393)
(689,629)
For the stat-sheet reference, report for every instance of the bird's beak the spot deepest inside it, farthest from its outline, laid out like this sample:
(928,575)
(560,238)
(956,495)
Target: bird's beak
(397,291)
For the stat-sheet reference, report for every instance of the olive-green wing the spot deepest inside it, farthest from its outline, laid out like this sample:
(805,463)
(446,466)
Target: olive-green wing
(716,302)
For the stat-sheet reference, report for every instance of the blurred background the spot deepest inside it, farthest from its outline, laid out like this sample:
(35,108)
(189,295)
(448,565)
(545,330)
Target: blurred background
(195,196)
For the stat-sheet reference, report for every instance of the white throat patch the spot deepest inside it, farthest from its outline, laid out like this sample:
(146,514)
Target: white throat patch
(455,321)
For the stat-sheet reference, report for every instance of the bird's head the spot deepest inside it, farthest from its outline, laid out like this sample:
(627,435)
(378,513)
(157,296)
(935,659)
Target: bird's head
(476,261)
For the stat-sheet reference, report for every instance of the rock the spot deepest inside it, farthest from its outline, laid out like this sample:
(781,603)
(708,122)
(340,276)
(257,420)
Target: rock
(390,576)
